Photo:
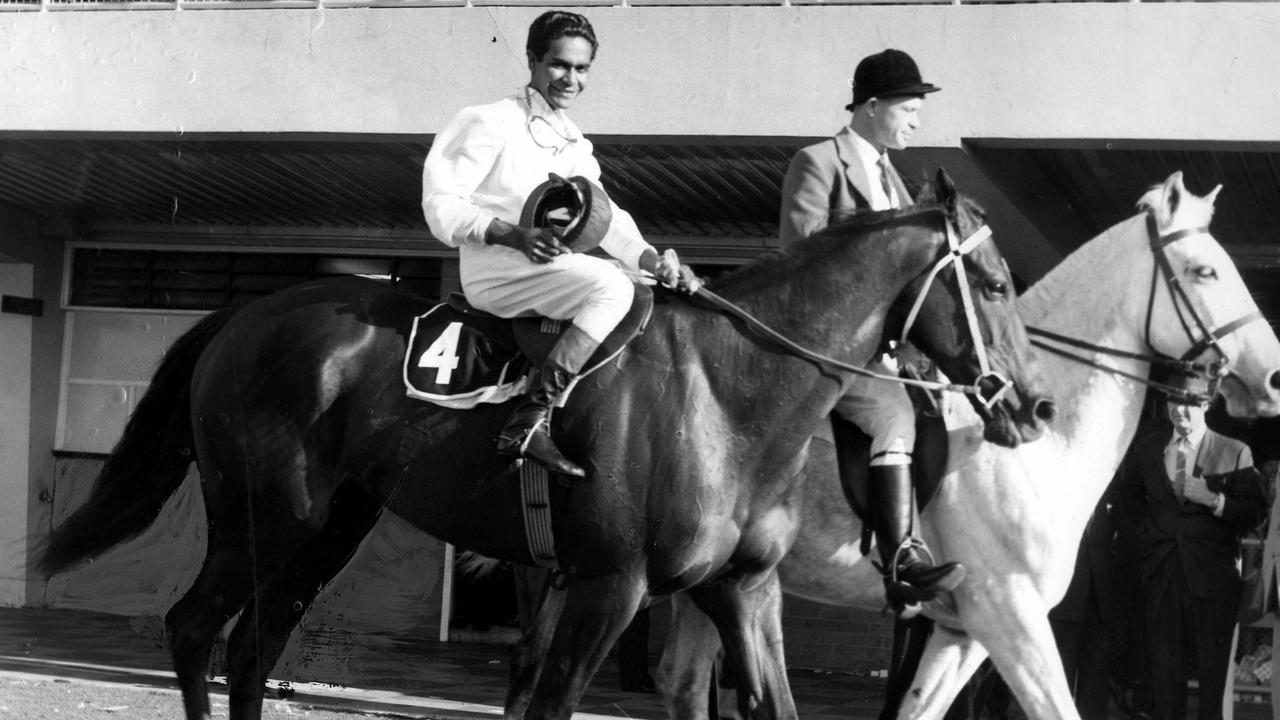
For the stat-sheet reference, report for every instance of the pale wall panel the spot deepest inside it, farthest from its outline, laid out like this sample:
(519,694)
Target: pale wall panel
(1019,70)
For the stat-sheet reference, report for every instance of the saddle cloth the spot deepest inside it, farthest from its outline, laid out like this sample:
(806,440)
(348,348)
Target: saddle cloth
(460,357)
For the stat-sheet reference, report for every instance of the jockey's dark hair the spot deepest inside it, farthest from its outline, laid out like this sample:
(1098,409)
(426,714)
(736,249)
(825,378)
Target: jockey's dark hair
(555,24)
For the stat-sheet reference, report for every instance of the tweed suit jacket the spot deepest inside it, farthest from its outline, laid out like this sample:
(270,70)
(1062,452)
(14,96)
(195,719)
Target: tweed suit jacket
(1208,546)
(822,180)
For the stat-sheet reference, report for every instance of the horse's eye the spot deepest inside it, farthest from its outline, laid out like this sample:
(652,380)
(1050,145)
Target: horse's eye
(998,288)
(1205,272)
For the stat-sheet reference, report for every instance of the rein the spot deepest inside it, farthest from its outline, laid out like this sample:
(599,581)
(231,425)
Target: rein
(1186,364)
(954,255)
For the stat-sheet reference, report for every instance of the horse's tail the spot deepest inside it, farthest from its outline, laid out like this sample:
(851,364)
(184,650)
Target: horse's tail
(146,466)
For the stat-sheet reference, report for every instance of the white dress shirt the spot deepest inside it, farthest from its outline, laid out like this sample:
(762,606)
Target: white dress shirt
(871,160)
(1194,438)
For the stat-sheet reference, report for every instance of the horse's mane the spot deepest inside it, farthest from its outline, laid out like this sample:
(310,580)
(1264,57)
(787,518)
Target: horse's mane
(845,227)
(1075,271)
(1046,295)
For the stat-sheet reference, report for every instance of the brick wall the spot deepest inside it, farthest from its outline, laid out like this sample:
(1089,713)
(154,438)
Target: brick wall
(841,639)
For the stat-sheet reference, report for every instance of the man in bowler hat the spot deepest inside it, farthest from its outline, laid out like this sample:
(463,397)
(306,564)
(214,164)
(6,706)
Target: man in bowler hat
(846,174)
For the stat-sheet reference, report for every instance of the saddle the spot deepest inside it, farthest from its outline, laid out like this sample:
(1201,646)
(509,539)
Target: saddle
(459,356)
(928,460)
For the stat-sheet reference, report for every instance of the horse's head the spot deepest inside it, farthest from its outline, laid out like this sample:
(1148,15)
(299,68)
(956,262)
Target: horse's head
(1198,308)
(955,303)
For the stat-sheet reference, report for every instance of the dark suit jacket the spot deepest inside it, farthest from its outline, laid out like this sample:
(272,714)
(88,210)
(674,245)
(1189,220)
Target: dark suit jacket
(1207,545)
(822,180)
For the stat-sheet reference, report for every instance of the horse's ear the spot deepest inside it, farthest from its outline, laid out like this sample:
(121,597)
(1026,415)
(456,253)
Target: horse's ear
(1162,200)
(1213,194)
(945,189)
(1174,189)
(926,194)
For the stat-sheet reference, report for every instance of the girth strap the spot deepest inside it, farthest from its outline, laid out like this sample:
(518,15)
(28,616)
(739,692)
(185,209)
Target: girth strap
(535,498)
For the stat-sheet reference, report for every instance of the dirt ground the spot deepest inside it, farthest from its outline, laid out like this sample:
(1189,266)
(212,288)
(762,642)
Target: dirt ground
(25,697)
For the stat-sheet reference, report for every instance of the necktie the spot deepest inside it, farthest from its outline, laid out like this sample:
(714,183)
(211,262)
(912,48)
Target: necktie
(886,179)
(1182,449)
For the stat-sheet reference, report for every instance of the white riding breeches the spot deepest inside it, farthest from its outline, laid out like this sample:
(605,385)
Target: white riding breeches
(882,410)
(592,292)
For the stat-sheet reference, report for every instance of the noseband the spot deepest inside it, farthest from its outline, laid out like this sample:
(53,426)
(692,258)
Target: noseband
(1213,372)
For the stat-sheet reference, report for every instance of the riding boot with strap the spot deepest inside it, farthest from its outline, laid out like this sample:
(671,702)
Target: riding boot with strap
(910,576)
(527,432)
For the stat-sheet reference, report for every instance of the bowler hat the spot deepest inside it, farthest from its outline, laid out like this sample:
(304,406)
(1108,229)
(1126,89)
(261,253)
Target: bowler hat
(891,73)
(575,209)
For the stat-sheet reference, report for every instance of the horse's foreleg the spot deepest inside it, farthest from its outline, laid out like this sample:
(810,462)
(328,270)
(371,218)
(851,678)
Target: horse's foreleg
(530,653)
(262,632)
(685,673)
(949,659)
(1020,640)
(595,613)
(748,614)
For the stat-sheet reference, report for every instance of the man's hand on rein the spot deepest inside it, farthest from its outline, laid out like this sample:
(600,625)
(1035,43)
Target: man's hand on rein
(668,271)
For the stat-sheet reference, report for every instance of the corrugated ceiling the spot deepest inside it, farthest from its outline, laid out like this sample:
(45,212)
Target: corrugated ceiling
(712,190)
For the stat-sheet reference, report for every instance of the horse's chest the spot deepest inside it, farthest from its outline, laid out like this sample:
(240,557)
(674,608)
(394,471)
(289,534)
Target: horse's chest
(718,536)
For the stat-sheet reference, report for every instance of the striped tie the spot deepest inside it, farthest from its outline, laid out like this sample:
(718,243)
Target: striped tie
(1181,450)
(886,180)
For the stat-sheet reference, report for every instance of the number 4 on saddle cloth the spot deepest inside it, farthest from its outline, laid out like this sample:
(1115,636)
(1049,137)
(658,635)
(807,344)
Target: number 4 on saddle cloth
(460,357)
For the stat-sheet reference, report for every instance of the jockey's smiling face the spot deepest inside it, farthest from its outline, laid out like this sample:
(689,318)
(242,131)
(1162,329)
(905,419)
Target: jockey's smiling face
(894,121)
(561,73)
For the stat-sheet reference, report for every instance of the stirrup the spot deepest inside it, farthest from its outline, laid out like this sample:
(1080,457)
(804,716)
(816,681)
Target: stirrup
(908,544)
(517,446)
(905,598)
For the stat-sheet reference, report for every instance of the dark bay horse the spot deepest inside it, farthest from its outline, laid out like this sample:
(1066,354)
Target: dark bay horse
(694,440)
(1014,516)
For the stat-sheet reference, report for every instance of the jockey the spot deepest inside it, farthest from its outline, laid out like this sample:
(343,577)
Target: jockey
(849,173)
(481,169)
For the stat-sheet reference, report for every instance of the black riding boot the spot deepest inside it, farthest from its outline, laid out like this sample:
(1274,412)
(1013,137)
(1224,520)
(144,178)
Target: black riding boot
(527,432)
(909,576)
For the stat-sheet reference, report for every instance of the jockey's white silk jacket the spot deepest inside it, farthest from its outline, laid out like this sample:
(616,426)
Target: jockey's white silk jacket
(488,159)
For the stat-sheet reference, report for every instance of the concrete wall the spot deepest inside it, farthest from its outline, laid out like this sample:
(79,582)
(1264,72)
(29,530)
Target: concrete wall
(1070,70)
(30,352)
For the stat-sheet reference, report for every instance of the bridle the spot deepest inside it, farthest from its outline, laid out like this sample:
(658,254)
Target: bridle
(987,389)
(1187,365)
(991,385)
